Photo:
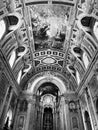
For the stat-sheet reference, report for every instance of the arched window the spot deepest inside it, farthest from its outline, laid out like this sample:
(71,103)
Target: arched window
(85,60)
(8,120)
(19,76)
(87,121)
(95,29)
(78,77)
(2,28)
(12,58)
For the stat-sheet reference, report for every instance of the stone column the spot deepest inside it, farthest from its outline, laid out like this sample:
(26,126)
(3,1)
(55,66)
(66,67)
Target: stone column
(39,115)
(16,114)
(82,112)
(67,116)
(42,118)
(58,120)
(39,118)
(53,119)
(87,101)
(32,115)
(28,115)
(56,116)
(81,124)
(62,113)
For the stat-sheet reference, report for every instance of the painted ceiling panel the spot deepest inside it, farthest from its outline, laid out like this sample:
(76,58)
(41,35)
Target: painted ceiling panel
(49,30)
(49,24)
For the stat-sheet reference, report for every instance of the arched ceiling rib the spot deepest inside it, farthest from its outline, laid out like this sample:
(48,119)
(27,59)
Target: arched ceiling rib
(45,40)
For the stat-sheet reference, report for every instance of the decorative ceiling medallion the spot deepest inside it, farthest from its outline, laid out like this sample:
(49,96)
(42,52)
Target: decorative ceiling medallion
(49,60)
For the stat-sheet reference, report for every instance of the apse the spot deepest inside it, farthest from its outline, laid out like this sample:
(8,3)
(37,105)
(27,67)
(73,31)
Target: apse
(47,97)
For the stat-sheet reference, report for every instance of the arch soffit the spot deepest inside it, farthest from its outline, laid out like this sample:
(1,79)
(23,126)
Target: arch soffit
(34,84)
(30,77)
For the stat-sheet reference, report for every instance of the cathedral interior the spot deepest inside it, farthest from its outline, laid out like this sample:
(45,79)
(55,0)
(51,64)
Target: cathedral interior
(48,64)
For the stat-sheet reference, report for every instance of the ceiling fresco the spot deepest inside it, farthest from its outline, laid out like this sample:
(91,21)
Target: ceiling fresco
(49,24)
(52,37)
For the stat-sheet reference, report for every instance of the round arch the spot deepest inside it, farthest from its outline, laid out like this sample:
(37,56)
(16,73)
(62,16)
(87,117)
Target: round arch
(35,84)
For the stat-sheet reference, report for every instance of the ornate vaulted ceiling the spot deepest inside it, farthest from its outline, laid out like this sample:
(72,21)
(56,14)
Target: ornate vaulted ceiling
(50,38)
